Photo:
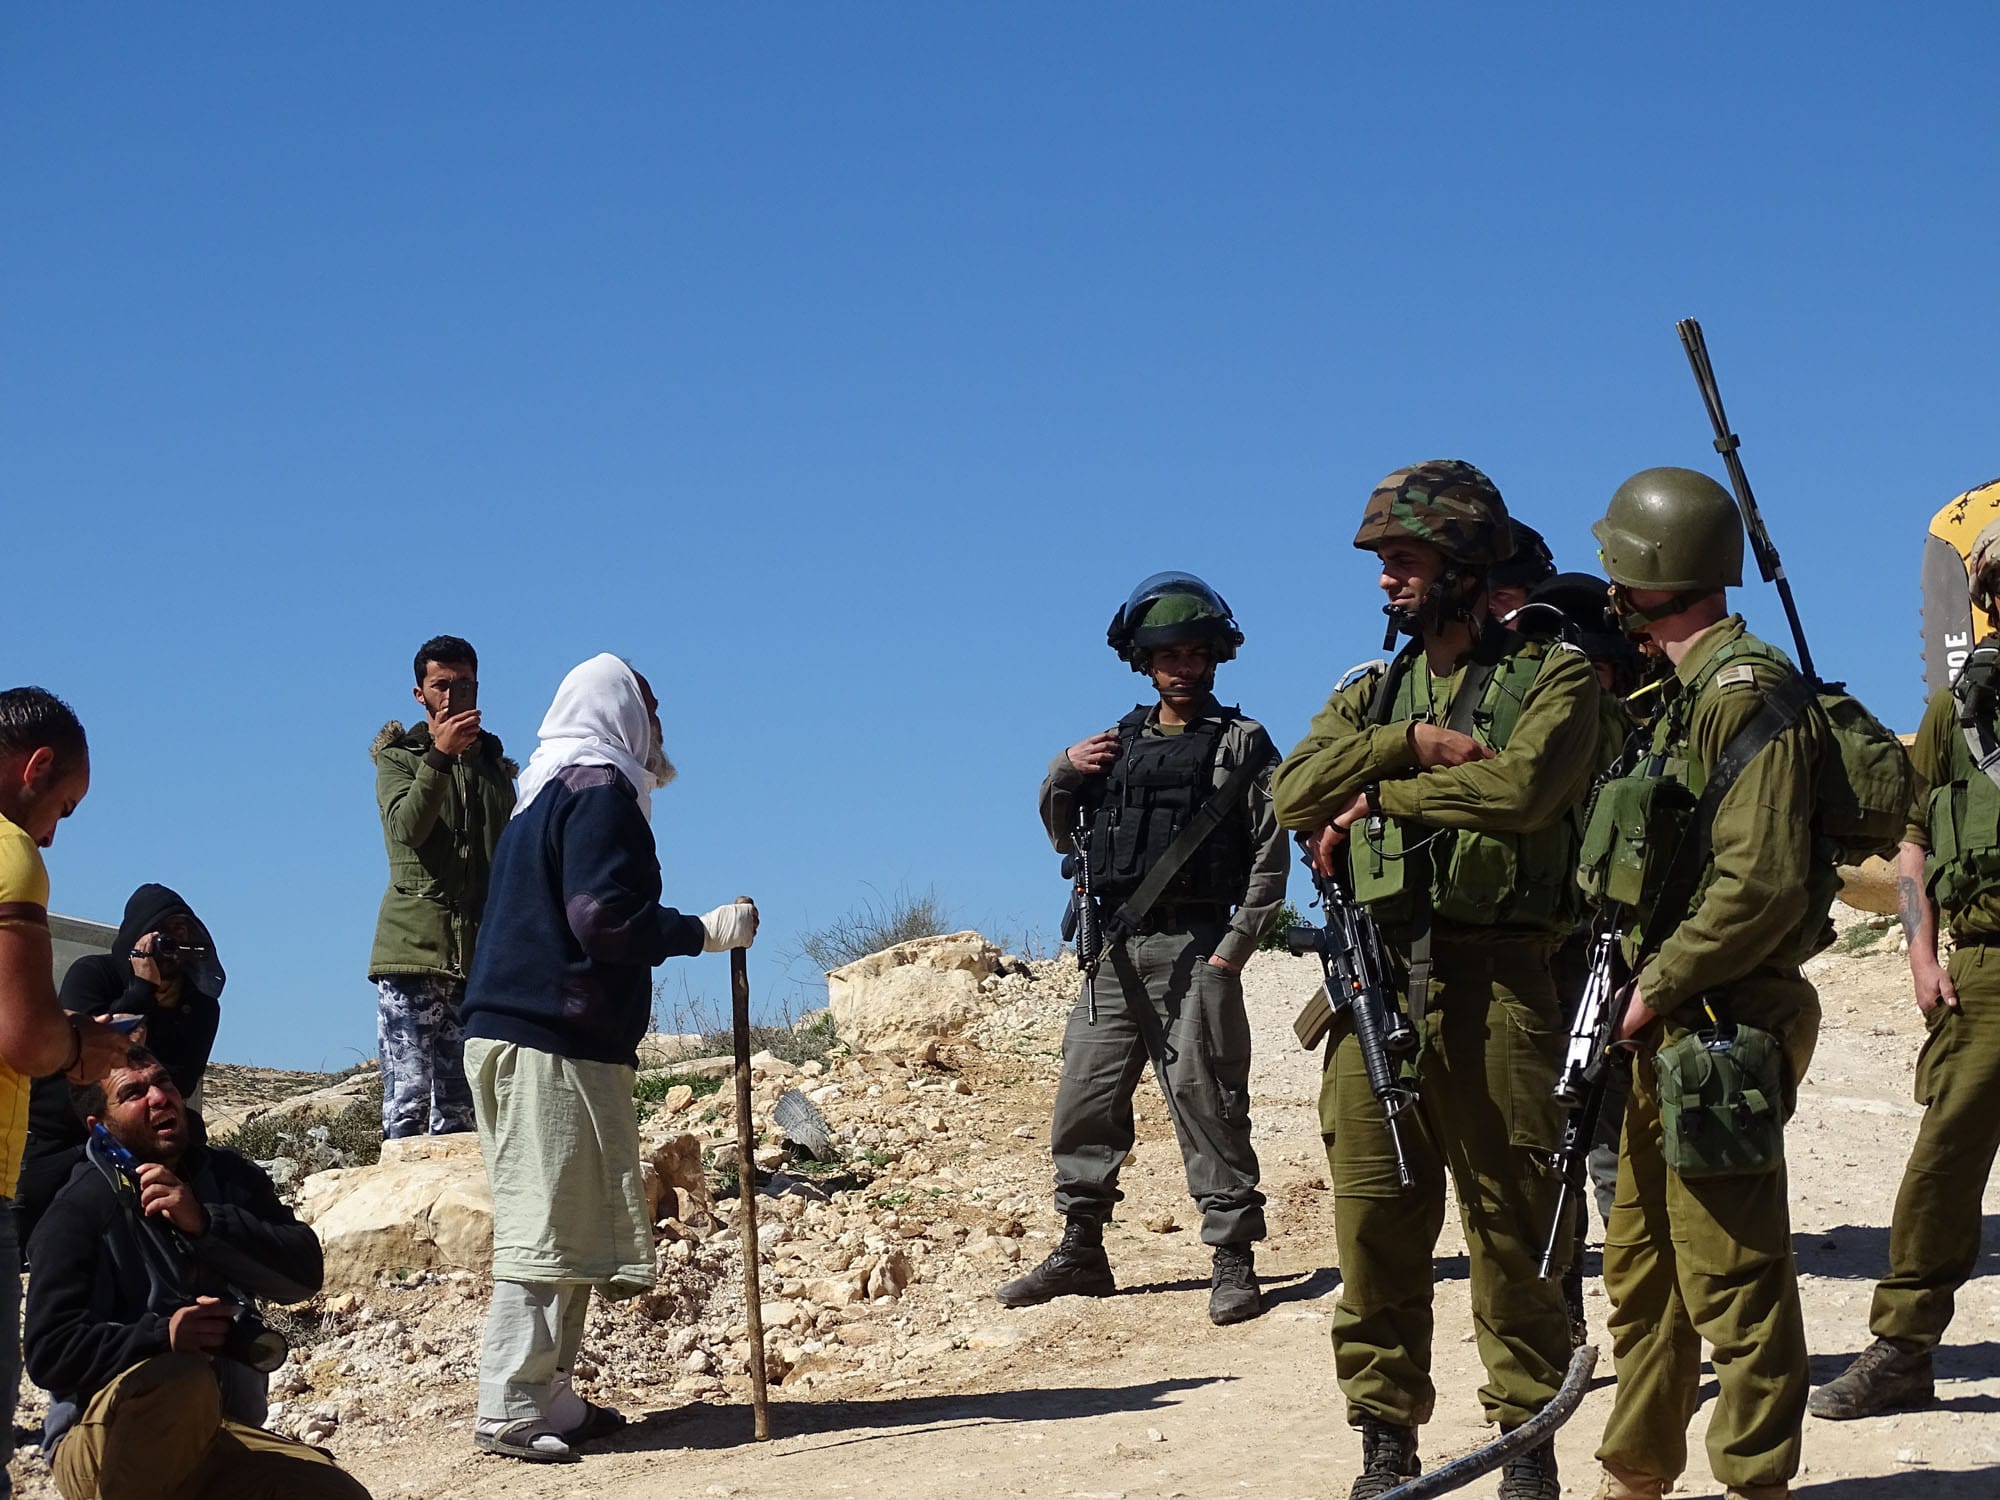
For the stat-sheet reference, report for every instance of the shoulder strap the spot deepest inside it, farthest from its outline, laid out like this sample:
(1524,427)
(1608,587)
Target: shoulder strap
(1206,820)
(1783,706)
(1984,747)
(1383,703)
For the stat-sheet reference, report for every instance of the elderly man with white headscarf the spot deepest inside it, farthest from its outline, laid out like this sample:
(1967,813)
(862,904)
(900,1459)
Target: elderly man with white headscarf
(559,995)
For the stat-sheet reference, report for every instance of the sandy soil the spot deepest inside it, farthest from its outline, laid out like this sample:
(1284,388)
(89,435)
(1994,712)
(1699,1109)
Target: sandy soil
(1139,1396)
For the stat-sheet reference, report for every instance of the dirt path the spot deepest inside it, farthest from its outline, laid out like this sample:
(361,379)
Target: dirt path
(944,1393)
(1139,1396)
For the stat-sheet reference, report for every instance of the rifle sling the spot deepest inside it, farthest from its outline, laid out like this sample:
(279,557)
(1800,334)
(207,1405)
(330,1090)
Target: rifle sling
(1206,820)
(1783,707)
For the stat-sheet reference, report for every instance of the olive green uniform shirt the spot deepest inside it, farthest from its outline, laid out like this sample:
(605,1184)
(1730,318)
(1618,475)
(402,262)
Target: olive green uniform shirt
(1264,891)
(1757,893)
(1537,779)
(1936,753)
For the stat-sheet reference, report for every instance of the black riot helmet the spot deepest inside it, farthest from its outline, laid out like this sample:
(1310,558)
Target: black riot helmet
(1167,610)
(1583,603)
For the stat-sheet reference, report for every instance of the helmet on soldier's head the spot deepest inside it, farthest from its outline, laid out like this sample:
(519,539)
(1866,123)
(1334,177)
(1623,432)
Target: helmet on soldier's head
(1982,567)
(1673,529)
(1169,609)
(1532,562)
(1445,503)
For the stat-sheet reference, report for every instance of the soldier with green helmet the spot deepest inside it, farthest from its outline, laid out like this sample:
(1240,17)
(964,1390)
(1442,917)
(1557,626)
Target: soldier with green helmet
(1949,867)
(1182,786)
(1440,789)
(1712,837)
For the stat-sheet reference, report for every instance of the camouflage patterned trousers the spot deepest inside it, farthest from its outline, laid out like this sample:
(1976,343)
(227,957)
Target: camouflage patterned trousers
(422,1047)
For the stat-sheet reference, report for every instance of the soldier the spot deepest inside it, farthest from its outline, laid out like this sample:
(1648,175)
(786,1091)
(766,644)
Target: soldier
(1720,1018)
(1466,757)
(1950,863)
(1511,582)
(1169,988)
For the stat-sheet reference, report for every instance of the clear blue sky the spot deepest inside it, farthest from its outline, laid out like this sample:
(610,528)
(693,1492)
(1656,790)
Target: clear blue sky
(844,366)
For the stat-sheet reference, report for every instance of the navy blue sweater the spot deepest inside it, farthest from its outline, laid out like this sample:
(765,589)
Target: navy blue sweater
(574,925)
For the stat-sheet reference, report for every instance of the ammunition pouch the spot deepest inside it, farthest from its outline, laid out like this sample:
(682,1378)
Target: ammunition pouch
(1389,870)
(1722,1102)
(1964,859)
(1636,826)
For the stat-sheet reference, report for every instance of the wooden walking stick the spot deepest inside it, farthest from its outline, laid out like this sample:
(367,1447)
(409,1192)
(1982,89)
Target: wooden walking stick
(746,1178)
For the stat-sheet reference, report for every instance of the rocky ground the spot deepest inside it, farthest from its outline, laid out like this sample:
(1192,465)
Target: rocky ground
(895,1372)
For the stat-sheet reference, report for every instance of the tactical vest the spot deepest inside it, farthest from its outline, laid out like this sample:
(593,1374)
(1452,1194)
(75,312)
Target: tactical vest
(1636,846)
(1963,817)
(1152,791)
(1514,880)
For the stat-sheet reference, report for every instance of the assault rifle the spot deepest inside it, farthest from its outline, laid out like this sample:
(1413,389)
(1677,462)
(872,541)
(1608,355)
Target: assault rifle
(1357,982)
(1080,923)
(1585,1077)
(1726,443)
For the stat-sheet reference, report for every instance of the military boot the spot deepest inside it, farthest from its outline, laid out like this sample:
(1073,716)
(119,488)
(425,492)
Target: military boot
(1233,1295)
(1388,1458)
(1531,1475)
(1078,1267)
(1758,1492)
(1888,1374)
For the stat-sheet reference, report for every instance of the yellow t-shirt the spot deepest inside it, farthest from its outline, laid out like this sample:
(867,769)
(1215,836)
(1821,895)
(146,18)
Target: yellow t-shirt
(24,902)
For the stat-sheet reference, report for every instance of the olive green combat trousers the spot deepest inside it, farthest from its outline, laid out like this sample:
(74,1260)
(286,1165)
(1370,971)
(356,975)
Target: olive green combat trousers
(1491,1043)
(1707,1260)
(1934,1238)
(1194,1011)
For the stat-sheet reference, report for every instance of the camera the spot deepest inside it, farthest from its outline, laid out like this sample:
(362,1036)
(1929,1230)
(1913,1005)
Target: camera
(251,1341)
(166,950)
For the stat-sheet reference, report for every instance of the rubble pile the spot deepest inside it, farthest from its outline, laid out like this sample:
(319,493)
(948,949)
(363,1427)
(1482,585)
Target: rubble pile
(873,1265)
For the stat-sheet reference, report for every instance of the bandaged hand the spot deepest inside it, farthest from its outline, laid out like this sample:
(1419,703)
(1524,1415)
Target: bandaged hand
(731,926)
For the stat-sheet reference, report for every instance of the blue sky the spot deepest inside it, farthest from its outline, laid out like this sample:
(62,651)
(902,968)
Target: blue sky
(844,366)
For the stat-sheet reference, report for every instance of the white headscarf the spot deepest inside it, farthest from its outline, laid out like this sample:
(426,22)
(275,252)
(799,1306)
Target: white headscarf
(599,718)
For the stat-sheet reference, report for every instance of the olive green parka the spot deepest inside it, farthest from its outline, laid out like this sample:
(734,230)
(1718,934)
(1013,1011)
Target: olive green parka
(441,818)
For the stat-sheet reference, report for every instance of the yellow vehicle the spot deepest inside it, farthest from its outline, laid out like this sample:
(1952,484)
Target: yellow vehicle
(1949,632)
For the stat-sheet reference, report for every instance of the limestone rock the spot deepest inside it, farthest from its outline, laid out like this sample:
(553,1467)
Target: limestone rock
(916,992)
(1870,886)
(425,1206)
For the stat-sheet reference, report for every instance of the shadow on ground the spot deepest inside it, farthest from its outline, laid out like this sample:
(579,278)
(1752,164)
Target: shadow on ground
(1935,1484)
(703,1425)
(1861,1251)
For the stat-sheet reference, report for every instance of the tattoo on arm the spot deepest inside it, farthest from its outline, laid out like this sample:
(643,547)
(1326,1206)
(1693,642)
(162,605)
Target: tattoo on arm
(1909,904)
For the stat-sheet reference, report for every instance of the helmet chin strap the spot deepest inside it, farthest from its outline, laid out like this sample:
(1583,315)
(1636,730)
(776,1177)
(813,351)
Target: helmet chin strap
(1441,605)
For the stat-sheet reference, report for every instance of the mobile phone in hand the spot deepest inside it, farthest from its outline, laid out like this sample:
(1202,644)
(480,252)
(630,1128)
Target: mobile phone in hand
(460,697)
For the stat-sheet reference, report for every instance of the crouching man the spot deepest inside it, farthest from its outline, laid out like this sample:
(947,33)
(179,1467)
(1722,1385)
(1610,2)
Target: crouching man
(144,1263)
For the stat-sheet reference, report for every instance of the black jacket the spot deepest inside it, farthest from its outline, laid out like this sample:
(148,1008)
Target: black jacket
(94,1309)
(103,984)
(574,925)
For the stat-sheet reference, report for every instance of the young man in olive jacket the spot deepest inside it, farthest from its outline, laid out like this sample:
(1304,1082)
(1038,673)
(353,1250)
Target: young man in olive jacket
(445,792)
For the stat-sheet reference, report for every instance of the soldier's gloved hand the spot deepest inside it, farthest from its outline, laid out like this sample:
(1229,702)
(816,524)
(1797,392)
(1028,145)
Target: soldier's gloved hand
(731,926)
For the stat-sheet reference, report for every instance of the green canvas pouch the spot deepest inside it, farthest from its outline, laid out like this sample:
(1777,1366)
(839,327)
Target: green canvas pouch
(1721,1102)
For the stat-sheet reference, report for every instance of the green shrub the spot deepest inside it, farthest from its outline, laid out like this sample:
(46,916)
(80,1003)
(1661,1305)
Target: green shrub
(653,1087)
(1289,916)
(876,924)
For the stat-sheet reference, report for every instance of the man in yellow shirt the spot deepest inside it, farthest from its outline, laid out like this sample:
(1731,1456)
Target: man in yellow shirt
(44,773)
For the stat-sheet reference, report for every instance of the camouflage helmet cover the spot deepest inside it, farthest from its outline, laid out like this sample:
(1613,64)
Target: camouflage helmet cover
(1531,564)
(1445,503)
(1982,565)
